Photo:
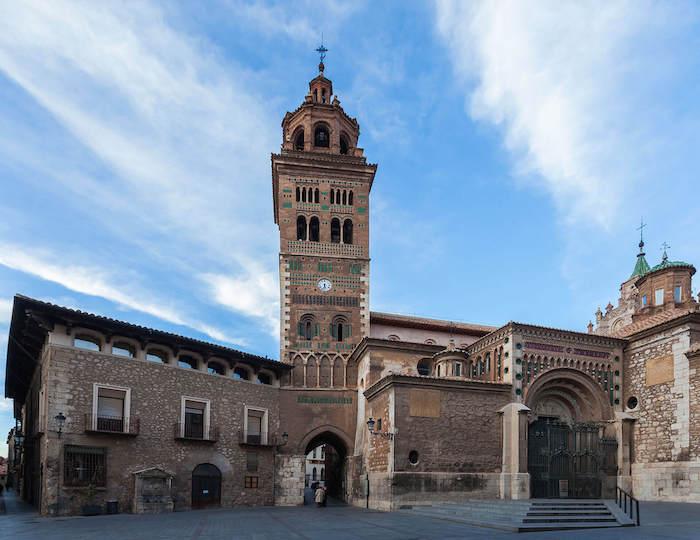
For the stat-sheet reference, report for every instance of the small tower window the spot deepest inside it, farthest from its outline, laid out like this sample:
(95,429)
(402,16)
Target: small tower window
(298,194)
(343,144)
(323,95)
(301,228)
(340,329)
(350,198)
(299,141)
(332,197)
(659,297)
(347,231)
(677,294)
(316,196)
(335,231)
(321,137)
(345,197)
(303,194)
(314,229)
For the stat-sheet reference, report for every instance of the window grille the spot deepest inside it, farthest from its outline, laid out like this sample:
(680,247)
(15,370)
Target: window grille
(84,466)
(251,482)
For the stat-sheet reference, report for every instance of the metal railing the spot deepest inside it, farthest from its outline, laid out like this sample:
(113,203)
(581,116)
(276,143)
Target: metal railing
(629,504)
(256,439)
(195,432)
(118,425)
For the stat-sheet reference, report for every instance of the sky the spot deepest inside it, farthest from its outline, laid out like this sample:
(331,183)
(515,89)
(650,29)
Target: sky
(519,145)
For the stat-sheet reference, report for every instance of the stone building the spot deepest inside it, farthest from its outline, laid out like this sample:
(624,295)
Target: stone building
(409,409)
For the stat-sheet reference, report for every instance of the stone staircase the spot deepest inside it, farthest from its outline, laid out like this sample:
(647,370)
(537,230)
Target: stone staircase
(528,515)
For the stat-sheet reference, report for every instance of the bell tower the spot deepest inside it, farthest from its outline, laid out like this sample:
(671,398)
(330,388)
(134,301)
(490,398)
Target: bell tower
(321,184)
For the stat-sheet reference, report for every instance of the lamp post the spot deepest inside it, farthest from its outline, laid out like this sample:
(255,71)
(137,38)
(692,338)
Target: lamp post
(60,421)
(386,434)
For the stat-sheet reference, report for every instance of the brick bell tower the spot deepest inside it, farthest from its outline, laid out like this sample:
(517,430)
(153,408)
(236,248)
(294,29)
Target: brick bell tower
(321,184)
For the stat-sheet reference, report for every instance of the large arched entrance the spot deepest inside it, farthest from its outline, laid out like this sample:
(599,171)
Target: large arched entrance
(572,449)
(206,486)
(326,451)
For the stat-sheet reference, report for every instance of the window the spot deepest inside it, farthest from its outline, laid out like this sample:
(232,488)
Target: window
(677,294)
(340,329)
(347,231)
(301,228)
(413,457)
(335,231)
(313,454)
(264,378)
(84,466)
(345,197)
(307,327)
(645,301)
(317,198)
(313,473)
(296,264)
(457,369)
(323,474)
(332,197)
(251,482)
(255,426)
(439,371)
(659,297)
(110,408)
(299,141)
(321,137)
(187,362)
(632,402)
(241,374)
(252,462)
(350,198)
(303,194)
(157,356)
(343,144)
(86,342)
(424,367)
(314,229)
(121,348)
(195,418)
(215,368)
(298,194)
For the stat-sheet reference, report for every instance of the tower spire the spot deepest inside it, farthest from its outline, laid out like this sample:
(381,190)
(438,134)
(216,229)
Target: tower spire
(642,266)
(321,50)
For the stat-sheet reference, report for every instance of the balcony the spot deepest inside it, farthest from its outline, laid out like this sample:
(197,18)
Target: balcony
(256,439)
(189,431)
(111,425)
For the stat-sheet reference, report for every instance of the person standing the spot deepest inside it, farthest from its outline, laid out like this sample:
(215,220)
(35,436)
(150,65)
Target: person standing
(320,496)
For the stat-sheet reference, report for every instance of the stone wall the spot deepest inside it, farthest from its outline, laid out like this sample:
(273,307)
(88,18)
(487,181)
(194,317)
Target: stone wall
(156,392)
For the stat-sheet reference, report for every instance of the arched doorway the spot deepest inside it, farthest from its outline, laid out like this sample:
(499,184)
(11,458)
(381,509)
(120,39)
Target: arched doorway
(206,486)
(572,450)
(326,450)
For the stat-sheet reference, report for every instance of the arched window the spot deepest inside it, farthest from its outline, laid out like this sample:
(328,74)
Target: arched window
(337,196)
(307,328)
(301,228)
(315,94)
(120,348)
(314,227)
(343,144)
(350,198)
(187,362)
(303,194)
(332,197)
(345,197)
(240,374)
(340,328)
(264,378)
(298,194)
(89,343)
(316,196)
(299,141)
(323,476)
(321,137)
(215,368)
(424,367)
(313,473)
(156,355)
(335,231)
(323,95)
(347,231)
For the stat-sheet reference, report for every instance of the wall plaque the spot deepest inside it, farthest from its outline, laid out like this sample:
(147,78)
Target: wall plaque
(659,370)
(424,403)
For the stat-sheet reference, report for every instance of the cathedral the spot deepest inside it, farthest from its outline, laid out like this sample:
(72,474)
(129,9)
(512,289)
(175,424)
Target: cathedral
(409,410)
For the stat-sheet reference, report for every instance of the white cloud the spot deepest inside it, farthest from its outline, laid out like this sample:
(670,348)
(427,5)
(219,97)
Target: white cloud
(5,311)
(558,79)
(98,282)
(5,405)
(185,135)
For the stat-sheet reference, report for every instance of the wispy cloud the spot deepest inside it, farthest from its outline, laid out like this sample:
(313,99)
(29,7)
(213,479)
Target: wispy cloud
(562,81)
(5,311)
(96,281)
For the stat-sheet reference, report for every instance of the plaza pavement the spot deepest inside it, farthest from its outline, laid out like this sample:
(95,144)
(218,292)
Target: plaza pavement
(660,521)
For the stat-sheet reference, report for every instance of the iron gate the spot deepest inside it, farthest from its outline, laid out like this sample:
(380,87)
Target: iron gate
(569,461)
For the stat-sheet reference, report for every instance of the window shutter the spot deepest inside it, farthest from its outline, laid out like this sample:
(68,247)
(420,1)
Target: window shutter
(316,329)
(348,330)
(332,331)
(300,329)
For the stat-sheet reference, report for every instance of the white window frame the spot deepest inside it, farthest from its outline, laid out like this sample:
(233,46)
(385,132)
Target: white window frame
(457,368)
(207,411)
(678,288)
(656,297)
(265,425)
(127,403)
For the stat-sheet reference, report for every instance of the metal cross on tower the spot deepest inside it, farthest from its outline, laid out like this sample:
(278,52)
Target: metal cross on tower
(641,230)
(322,50)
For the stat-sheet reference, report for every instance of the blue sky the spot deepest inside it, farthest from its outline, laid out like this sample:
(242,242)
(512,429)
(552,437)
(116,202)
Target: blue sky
(518,146)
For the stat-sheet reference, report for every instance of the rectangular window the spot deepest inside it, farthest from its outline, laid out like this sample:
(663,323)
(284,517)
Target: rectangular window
(255,426)
(251,482)
(110,408)
(84,466)
(659,297)
(195,419)
(325,267)
(458,369)
(295,265)
(252,462)
(677,294)
(645,301)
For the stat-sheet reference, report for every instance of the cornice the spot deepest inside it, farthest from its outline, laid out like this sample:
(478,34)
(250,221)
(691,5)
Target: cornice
(435,383)
(369,343)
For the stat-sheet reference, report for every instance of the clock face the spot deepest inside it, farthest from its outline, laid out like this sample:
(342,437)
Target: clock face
(324,285)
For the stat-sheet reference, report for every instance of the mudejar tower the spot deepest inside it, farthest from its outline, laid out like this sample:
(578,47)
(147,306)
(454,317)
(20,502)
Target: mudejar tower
(321,184)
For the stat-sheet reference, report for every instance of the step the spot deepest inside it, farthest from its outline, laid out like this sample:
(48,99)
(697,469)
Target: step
(580,519)
(535,527)
(572,513)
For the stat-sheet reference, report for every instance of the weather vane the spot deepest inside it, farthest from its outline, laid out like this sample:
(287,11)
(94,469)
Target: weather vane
(322,50)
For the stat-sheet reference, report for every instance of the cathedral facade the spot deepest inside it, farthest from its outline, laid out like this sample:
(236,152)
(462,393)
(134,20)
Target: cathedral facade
(409,410)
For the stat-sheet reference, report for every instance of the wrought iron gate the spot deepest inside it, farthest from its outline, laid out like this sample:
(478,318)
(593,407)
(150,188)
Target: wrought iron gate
(569,460)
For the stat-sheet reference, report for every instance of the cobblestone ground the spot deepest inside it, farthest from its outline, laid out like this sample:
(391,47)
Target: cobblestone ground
(662,521)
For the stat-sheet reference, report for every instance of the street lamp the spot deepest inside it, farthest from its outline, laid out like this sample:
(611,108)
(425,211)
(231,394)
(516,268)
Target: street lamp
(386,434)
(60,421)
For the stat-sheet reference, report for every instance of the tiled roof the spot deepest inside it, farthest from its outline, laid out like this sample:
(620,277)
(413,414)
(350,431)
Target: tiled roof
(654,320)
(411,321)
